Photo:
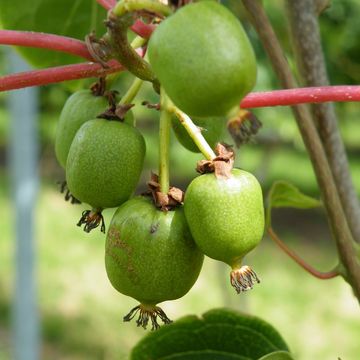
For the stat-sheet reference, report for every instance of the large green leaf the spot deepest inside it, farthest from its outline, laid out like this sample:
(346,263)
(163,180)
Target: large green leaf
(278,355)
(74,18)
(284,194)
(218,334)
(204,355)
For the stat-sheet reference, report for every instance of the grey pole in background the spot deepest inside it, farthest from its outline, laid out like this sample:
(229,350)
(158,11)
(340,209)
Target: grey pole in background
(23,106)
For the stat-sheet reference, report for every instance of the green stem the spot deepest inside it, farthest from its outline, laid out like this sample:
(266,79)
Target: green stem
(136,43)
(132,92)
(123,51)
(164,143)
(194,132)
(126,6)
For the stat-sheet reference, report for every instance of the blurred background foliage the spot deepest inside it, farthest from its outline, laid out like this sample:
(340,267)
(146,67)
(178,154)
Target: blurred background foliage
(82,315)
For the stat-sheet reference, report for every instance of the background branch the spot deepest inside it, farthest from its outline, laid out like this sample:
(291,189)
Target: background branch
(318,274)
(45,41)
(333,206)
(56,75)
(306,41)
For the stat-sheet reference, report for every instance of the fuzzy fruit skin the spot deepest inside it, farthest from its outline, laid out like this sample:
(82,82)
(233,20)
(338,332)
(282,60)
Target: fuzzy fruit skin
(203,59)
(225,216)
(105,162)
(212,129)
(150,255)
(79,108)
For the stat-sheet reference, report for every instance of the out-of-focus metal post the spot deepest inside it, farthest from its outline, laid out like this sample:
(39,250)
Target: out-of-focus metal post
(23,106)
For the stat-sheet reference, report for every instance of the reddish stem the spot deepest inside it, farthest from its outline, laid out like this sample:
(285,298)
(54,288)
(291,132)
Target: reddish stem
(106,4)
(320,275)
(302,96)
(142,29)
(139,27)
(45,41)
(56,74)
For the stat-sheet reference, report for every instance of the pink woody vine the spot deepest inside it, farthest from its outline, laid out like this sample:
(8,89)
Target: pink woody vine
(92,69)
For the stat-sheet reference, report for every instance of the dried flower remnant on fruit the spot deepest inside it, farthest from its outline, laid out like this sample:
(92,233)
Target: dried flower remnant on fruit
(221,165)
(243,127)
(92,219)
(116,112)
(243,279)
(165,202)
(68,196)
(147,313)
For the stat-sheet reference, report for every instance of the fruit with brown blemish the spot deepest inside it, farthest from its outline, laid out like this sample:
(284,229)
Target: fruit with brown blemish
(150,256)
(226,218)
(104,165)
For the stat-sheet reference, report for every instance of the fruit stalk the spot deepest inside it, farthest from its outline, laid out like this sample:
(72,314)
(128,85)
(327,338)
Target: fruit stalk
(139,27)
(154,6)
(131,92)
(164,143)
(123,51)
(194,132)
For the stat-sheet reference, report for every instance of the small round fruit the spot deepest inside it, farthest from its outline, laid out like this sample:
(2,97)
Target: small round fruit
(150,256)
(211,129)
(226,219)
(203,59)
(104,163)
(79,108)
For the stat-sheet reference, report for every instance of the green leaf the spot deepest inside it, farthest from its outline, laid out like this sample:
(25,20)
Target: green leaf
(74,18)
(284,194)
(204,355)
(278,355)
(218,334)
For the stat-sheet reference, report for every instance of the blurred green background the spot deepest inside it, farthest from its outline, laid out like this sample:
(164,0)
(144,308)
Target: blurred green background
(81,315)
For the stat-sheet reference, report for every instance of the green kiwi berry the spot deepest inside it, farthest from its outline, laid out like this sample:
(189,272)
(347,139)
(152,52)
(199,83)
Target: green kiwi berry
(150,256)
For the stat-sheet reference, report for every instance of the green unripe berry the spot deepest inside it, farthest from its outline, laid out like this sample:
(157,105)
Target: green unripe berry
(150,254)
(105,162)
(203,59)
(80,107)
(226,216)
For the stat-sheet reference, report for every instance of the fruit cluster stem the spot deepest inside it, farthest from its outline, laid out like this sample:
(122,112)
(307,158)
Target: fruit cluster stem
(194,132)
(164,143)
(131,92)
(126,6)
(122,50)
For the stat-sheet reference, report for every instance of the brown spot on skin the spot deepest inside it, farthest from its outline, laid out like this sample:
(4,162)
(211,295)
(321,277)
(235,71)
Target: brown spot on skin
(154,228)
(112,250)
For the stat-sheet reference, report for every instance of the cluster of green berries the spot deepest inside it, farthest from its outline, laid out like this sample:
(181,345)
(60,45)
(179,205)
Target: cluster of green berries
(153,253)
